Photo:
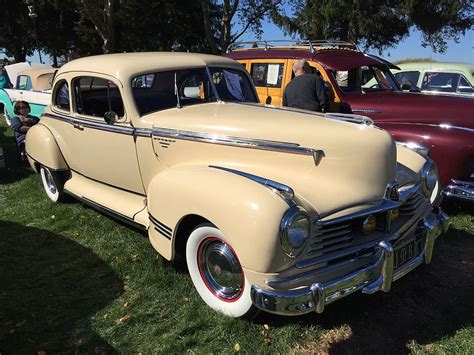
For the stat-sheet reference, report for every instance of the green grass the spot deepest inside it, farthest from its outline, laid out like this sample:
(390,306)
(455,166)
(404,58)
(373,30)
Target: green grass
(73,280)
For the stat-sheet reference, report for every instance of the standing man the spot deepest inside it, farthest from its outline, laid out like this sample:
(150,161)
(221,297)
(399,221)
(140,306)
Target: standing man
(305,91)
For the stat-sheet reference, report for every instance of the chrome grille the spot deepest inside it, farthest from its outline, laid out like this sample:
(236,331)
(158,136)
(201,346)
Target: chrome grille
(411,204)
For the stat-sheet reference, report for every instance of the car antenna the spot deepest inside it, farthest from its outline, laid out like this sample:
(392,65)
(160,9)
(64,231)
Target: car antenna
(178,103)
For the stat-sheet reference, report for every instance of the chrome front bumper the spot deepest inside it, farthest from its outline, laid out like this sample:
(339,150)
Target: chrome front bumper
(463,190)
(376,277)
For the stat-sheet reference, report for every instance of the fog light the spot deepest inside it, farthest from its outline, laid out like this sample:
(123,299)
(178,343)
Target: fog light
(393,214)
(369,224)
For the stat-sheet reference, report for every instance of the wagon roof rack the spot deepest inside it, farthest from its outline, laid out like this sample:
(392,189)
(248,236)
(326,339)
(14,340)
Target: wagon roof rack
(312,45)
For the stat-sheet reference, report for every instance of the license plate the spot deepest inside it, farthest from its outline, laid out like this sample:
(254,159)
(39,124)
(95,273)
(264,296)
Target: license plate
(405,254)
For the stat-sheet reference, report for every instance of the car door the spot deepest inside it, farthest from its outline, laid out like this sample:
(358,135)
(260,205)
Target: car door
(104,152)
(270,78)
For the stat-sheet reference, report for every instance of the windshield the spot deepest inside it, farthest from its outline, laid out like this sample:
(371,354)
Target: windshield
(179,88)
(365,79)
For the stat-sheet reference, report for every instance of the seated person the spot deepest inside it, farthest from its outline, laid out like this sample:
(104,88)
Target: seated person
(21,123)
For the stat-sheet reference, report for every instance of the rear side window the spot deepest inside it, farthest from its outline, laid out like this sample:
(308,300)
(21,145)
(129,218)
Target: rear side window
(96,96)
(464,85)
(407,77)
(267,74)
(440,82)
(24,82)
(61,98)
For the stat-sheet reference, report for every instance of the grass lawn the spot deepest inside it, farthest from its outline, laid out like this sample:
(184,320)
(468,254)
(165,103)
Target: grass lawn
(74,280)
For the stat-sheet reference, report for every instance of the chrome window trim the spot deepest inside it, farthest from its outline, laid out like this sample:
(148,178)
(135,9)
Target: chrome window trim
(252,143)
(284,191)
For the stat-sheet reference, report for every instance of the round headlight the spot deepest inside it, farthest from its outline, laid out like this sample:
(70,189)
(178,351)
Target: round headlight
(295,229)
(429,180)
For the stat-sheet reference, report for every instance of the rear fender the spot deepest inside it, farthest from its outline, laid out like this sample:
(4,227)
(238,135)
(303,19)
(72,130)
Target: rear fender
(42,148)
(247,212)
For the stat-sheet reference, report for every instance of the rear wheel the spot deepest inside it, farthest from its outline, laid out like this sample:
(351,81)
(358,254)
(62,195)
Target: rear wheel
(52,184)
(217,274)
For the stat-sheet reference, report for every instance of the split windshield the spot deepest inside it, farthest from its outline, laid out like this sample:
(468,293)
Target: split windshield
(179,88)
(365,79)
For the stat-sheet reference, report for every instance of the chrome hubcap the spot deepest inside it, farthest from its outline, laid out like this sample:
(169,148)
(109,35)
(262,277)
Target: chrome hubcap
(220,269)
(50,181)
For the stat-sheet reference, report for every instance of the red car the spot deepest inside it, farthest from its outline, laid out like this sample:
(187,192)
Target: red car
(363,84)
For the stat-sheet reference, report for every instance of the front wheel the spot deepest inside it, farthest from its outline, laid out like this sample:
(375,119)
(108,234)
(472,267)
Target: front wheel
(217,274)
(52,184)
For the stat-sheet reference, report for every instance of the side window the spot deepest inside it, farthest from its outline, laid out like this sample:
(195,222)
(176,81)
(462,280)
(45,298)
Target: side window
(23,82)
(61,99)
(267,74)
(441,82)
(407,77)
(464,85)
(96,96)
(144,81)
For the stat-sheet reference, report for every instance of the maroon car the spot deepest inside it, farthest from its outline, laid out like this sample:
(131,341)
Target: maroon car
(363,84)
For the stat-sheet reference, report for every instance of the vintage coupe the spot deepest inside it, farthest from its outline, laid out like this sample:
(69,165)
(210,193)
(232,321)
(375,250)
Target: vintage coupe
(439,78)
(272,209)
(363,84)
(32,84)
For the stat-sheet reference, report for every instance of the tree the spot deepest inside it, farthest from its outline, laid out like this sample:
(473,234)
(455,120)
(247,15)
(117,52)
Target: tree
(379,23)
(221,17)
(102,15)
(17,37)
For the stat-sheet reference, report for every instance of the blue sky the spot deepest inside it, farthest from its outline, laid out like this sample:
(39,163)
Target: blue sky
(409,48)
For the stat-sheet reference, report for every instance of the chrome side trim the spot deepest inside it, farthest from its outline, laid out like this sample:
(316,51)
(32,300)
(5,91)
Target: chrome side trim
(366,110)
(107,211)
(448,126)
(351,118)
(143,132)
(161,228)
(285,147)
(284,191)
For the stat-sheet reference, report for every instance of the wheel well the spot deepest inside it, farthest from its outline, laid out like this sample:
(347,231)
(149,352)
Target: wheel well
(185,227)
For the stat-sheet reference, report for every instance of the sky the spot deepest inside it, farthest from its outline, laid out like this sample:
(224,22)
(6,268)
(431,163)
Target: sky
(408,48)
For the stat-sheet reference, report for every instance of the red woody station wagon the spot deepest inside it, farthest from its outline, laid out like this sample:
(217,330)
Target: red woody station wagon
(363,84)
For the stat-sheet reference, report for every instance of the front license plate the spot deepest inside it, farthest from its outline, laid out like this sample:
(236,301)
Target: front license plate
(405,254)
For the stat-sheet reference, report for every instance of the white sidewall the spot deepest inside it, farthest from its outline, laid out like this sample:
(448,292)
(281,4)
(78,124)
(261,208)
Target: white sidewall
(52,196)
(237,308)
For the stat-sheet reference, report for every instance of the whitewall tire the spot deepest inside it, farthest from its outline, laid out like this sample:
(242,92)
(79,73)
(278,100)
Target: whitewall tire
(216,272)
(51,184)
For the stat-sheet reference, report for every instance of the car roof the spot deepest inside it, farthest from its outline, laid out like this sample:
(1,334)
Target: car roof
(333,59)
(124,66)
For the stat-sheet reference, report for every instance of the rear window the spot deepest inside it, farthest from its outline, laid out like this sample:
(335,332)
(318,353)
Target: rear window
(440,82)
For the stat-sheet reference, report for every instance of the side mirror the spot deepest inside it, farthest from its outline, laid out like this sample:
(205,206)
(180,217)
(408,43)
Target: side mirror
(268,100)
(110,117)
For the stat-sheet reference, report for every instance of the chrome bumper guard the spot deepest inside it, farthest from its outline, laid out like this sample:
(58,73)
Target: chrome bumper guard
(463,190)
(376,277)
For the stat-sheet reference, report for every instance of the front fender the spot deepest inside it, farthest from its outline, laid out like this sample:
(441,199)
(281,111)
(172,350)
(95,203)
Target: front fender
(6,101)
(451,148)
(247,212)
(42,148)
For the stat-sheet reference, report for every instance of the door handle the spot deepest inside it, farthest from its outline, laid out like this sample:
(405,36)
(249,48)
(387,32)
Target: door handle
(78,126)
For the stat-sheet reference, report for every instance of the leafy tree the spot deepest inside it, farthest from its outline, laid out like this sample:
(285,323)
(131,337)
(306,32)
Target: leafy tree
(379,23)
(17,36)
(221,18)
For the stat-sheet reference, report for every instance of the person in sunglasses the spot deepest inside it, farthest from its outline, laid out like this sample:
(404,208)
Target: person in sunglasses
(21,123)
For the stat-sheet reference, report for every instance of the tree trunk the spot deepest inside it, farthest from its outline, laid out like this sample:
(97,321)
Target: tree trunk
(207,27)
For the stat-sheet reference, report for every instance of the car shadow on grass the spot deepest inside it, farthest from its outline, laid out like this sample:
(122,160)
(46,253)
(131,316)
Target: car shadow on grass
(432,302)
(14,169)
(50,288)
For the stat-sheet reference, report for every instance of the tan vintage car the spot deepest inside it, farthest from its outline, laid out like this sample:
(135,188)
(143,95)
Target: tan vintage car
(273,209)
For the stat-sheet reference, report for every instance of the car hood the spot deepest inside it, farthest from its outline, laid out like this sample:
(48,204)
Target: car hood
(396,106)
(359,159)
